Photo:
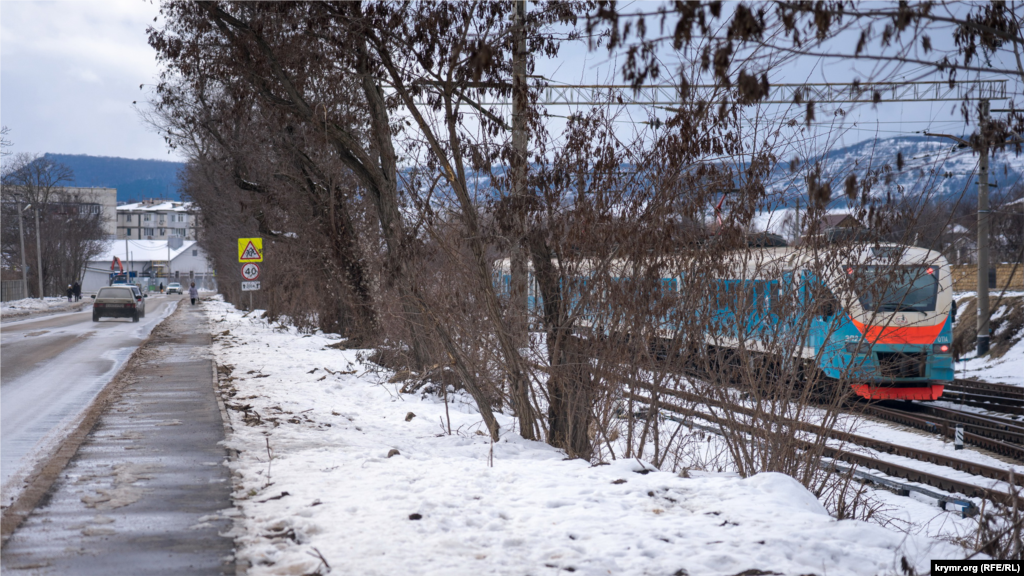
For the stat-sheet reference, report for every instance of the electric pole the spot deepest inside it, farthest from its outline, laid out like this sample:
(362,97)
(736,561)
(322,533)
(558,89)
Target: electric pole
(983,328)
(519,162)
(21,243)
(983,222)
(39,255)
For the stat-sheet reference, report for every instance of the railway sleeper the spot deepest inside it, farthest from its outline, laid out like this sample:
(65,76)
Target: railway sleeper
(888,468)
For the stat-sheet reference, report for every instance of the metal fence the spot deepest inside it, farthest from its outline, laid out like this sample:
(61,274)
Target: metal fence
(12,290)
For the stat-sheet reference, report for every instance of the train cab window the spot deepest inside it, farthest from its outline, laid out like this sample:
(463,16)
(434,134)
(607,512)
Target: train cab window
(912,288)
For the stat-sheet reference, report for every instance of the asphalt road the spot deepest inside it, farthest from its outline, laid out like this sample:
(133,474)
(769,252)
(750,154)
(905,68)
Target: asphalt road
(147,491)
(51,368)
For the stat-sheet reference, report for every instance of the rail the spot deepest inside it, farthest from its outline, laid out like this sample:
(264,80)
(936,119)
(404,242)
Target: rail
(889,468)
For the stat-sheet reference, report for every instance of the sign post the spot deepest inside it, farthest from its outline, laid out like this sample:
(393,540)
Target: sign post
(250,251)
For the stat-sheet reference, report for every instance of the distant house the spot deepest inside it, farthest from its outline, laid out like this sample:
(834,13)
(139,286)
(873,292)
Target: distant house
(961,246)
(157,220)
(152,262)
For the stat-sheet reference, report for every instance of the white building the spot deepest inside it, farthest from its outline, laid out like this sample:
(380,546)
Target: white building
(157,220)
(153,262)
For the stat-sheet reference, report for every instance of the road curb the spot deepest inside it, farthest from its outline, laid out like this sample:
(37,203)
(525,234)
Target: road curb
(42,477)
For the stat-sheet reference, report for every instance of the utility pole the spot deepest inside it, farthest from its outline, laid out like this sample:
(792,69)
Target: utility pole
(983,222)
(21,243)
(39,255)
(519,163)
(983,215)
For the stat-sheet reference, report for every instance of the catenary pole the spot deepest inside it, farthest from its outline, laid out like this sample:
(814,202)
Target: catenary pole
(983,222)
(518,281)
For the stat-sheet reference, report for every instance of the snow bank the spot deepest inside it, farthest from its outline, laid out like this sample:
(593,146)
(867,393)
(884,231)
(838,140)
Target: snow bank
(28,305)
(316,486)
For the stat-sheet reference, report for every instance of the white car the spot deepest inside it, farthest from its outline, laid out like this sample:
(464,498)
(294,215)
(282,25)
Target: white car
(174,288)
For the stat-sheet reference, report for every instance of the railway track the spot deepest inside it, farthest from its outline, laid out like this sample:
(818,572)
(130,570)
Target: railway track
(968,385)
(860,460)
(994,397)
(998,435)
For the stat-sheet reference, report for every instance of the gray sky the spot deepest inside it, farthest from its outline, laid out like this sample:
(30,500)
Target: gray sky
(69,72)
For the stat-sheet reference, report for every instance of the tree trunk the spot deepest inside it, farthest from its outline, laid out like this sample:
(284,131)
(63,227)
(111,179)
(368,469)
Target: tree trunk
(570,383)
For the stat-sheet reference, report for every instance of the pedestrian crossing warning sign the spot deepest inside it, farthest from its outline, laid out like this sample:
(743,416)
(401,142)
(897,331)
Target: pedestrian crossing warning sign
(250,250)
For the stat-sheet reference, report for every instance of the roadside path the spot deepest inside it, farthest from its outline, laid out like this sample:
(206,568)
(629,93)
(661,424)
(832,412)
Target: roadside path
(147,491)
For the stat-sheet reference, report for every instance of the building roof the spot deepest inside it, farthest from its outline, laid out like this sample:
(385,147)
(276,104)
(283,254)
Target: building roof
(142,250)
(834,220)
(167,206)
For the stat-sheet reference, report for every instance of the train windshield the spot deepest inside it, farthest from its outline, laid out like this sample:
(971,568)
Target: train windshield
(895,288)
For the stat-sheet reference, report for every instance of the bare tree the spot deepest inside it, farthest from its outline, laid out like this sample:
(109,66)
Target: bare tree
(68,228)
(5,143)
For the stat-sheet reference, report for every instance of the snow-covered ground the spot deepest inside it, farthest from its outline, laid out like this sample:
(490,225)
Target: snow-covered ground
(35,305)
(1009,369)
(336,467)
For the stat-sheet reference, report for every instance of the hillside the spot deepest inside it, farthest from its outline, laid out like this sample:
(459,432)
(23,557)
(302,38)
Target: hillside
(134,179)
(932,166)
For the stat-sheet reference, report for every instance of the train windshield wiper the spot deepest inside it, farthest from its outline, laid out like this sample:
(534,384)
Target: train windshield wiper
(898,308)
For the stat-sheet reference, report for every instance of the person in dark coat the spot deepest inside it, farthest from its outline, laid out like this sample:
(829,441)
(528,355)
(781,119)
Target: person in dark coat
(77,289)
(70,292)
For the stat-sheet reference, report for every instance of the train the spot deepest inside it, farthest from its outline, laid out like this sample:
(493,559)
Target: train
(878,316)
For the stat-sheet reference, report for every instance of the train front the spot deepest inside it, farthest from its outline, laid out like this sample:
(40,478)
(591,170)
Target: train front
(894,337)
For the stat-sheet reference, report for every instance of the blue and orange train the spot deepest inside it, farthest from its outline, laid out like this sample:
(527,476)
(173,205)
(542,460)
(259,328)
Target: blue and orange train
(877,316)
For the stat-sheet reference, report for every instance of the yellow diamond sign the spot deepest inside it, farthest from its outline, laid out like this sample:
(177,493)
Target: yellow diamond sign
(250,250)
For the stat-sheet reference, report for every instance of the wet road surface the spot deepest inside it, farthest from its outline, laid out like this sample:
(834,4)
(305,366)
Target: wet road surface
(52,369)
(147,492)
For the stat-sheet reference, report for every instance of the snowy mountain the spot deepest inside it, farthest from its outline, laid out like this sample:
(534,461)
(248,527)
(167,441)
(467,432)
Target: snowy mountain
(931,166)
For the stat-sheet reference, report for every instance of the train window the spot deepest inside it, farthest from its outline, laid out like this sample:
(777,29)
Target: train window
(774,296)
(895,288)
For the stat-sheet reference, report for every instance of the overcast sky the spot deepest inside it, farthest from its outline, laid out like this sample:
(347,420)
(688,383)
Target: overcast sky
(69,72)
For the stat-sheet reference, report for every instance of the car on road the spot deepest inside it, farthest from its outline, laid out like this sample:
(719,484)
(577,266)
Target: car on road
(119,302)
(174,288)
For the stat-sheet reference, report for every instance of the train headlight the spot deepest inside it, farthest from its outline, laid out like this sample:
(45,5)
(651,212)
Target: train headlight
(942,348)
(861,348)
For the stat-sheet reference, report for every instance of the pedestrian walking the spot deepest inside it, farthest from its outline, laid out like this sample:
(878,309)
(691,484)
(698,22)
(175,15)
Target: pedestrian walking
(70,292)
(193,293)
(161,287)
(77,289)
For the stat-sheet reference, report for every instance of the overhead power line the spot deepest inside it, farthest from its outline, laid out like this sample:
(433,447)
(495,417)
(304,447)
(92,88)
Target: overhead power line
(669,94)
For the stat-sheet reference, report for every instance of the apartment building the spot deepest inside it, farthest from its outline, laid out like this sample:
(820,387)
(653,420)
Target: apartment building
(157,220)
(72,200)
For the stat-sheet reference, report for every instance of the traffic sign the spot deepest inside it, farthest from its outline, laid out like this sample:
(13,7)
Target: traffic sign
(250,250)
(250,271)
(250,286)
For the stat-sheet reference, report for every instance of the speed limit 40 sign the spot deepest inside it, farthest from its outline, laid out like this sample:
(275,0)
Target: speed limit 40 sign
(250,271)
